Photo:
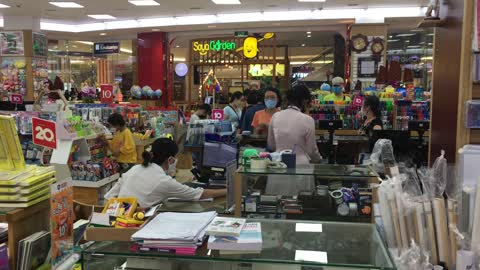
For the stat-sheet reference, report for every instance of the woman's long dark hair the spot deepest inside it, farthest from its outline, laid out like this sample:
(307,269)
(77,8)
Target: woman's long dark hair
(162,149)
(299,96)
(373,102)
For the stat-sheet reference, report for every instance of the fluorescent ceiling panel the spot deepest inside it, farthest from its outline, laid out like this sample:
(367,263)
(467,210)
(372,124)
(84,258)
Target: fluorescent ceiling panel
(66,4)
(144,3)
(4,6)
(101,16)
(227,2)
(239,17)
(312,1)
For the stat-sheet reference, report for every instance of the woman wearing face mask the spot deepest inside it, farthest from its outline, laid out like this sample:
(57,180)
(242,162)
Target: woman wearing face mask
(293,129)
(337,91)
(151,182)
(122,145)
(233,111)
(262,118)
(371,113)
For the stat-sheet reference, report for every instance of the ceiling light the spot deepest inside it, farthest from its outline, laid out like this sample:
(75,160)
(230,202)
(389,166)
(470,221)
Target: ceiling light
(393,40)
(413,46)
(312,1)
(155,30)
(227,2)
(66,4)
(407,41)
(4,6)
(191,20)
(103,34)
(177,46)
(303,45)
(287,15)
(309,36)
(85,42)
(239,17)
(405,35)
(309,33)
(431,34)
(101,16)
(144,2)
(125,50)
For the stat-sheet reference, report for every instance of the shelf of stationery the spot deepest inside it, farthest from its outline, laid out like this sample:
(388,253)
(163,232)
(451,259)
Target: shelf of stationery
(97,184)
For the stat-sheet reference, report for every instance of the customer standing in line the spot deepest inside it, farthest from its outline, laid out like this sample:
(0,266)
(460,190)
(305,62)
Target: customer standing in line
(372,116)
(256,99)
(122,145)
(293,129)
(262,118)
(233,111)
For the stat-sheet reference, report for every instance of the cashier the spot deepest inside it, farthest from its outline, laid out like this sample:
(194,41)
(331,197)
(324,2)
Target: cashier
(151,182)
(233,111)
(338,89)
(122,145)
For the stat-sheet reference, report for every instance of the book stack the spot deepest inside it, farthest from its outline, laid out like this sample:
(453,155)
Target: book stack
(235,236)
(26,187)
(179,233)
(3,232)
(33,251)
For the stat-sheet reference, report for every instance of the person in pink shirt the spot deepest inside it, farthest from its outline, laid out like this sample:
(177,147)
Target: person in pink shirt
(293,129)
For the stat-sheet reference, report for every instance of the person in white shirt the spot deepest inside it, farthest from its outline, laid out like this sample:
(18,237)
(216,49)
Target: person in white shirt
(203,112)
(151,182)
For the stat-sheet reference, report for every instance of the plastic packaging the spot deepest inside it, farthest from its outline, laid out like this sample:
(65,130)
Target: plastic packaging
(382,155)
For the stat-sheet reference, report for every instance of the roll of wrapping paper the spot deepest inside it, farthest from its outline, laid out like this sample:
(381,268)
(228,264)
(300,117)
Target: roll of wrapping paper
(452,222)
(396,222)
(420,226)
(387,218)
(427,207)
(411,228)
(402,218)
(441,230)
(476,223)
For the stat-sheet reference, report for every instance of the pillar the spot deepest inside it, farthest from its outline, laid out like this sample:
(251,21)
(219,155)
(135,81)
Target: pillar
(152,62)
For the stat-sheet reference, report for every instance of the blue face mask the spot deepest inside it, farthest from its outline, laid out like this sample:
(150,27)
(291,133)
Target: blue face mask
(337,90)
(270,103)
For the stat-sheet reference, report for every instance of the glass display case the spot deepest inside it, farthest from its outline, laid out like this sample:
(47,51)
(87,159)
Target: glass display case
(309,192)
(287,244)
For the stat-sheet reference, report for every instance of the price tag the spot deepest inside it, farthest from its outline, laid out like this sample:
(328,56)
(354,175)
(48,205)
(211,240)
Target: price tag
(217,115)
(106,93)
(16,99)
(44,133)
(358,100)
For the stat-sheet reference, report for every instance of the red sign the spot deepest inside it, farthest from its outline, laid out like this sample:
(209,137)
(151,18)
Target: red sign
(106,93)
(217,115)
(44,133)
(358,100)
(16,99)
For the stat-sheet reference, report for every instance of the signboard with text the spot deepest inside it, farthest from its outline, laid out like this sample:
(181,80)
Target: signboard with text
(358,100)
(16,99)
(44,133)
(217,115)
(106,93)
(106,48)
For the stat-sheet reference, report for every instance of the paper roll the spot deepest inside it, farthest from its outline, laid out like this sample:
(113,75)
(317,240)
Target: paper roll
(441,231)
(476,223)
(396,223)
(431,231)
(452,222)
(464,260)
(420,225)
(387,218)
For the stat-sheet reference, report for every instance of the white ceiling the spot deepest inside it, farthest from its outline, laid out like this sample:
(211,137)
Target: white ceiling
(123,10)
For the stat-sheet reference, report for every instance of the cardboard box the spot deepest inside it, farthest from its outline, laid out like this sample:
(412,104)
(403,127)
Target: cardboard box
(109,234)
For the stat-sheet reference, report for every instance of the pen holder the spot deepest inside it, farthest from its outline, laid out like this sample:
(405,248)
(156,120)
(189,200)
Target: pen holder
(289,159)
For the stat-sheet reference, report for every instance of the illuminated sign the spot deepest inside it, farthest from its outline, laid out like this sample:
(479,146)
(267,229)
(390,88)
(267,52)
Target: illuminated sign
(214,45)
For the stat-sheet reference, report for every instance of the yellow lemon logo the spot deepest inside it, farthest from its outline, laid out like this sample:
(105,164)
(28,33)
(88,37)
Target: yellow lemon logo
(250,47)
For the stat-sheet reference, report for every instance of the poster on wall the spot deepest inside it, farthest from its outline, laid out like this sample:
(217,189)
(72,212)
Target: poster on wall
(40,46)
(178,91)
(12,43)
(61,221)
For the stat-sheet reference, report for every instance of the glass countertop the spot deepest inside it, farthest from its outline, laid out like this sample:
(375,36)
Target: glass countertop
(291,242)
(316,169)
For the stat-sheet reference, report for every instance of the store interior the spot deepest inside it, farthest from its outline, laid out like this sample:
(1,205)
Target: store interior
(260,135)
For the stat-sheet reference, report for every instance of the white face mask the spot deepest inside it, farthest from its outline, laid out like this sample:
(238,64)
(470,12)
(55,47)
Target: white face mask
(172,167)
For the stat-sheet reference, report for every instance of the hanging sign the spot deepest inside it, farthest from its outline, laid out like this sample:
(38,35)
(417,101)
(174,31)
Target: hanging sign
(44,133)
(61,221)
(241,33)
(106,93)
(106,48)
(358,101)
(214,45)
(16,99)
(217,115)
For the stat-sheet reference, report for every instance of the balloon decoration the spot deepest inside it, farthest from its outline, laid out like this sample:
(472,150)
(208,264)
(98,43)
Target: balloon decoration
(158,93)
(181,69)
(145,92)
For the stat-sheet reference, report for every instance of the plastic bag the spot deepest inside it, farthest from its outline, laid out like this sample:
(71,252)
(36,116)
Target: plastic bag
(382,154)
(413,259)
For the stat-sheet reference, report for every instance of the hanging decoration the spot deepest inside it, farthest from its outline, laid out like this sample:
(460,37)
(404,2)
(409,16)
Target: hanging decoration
(210,83)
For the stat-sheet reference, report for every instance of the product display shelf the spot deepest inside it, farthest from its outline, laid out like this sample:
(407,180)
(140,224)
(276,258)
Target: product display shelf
(287,244)
(264,193)
(97,184)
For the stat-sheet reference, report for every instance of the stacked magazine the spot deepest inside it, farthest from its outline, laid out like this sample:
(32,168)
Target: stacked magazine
(234,236)
(33,251)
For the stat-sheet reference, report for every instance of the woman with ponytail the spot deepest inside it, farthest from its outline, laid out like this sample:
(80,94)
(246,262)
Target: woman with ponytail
(152,182)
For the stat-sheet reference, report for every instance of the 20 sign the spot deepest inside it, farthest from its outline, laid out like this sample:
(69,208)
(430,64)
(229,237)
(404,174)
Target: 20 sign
(44,133)
(217,115)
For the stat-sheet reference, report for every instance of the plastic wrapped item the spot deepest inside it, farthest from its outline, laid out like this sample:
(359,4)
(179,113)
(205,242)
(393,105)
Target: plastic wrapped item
(382,156)
(413,258)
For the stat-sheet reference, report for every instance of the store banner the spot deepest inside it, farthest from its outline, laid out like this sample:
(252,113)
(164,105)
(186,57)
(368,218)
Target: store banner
(16,99)
(103,48)
(44,133)
(61,221)
(217,115)
(106,93)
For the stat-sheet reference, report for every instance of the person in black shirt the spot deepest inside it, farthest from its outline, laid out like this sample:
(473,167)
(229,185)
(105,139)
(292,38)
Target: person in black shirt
(372,116)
